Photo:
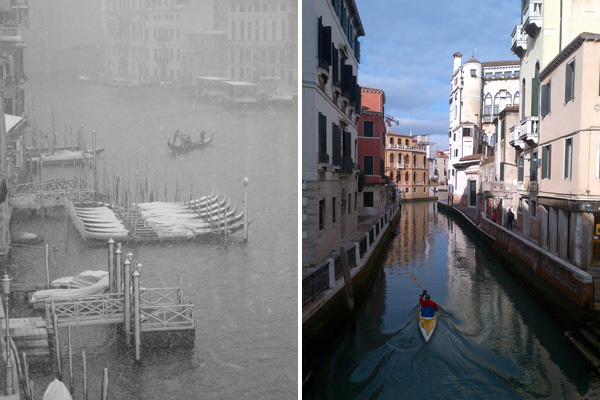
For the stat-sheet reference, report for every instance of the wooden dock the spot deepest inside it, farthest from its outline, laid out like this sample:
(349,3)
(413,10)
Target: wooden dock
(30,335)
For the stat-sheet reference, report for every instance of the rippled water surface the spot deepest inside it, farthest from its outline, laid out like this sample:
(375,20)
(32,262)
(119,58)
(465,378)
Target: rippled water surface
(493,340)
(245,295)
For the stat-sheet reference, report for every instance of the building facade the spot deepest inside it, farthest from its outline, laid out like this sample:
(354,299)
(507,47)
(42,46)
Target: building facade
(371,151)
(330,113)
(479,92)
(440,174)
(407,165)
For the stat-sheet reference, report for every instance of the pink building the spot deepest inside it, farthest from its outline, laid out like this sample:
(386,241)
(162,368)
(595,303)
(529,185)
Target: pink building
(371,151)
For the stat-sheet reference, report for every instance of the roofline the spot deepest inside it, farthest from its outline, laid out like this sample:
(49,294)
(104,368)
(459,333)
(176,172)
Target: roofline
(567,51)
(356,17)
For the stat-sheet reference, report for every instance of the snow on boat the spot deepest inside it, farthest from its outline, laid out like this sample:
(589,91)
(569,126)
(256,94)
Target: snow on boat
(427,325)
(98,283)
(57,390)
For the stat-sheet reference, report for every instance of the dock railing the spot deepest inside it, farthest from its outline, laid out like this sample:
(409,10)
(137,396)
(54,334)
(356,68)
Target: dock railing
(89,310)
(328,272)
(160,296)
(167,317)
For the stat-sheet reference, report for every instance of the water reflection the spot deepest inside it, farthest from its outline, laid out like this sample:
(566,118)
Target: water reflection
(493,340)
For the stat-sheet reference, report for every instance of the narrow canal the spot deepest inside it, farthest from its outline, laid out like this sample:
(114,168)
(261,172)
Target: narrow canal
(494,341)
(245,293)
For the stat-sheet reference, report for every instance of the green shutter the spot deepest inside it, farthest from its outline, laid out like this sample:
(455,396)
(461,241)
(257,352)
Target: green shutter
(521,168)
(502,172)
(544,162)
(535,91)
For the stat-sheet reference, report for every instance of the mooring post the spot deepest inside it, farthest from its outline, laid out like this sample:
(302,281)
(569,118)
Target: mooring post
(105,384)
(347,278)
(47,262)
(127,301)
(71,377)
(118,274)
(85,393)
(111,254)
(56,341)
(136,313)
(245,206)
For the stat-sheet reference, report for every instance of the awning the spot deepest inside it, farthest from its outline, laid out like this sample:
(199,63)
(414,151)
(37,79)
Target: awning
(12,121)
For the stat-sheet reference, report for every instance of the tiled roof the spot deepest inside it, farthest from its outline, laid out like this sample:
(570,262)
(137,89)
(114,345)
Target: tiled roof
(471,157)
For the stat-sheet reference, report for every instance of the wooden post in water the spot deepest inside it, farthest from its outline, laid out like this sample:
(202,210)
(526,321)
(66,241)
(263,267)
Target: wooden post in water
(85,393)
(71,377)
(105,384)
(95,158)
(111,254)
(136,313)
(119,273)
(245,208)
(56,342)
(47,262)
(26,373)
(127,301)
(347,278)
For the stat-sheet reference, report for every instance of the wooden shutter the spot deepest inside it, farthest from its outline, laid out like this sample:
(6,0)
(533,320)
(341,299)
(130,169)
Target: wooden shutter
(322,134)
(544,156)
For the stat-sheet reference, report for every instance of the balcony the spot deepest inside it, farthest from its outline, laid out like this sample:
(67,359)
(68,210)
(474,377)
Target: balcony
(532,17)
(398,165)
(403,147)
(12,35)
(529,130)
(515,141)
(347,165)
(322,160)
(323,71)
(519,41)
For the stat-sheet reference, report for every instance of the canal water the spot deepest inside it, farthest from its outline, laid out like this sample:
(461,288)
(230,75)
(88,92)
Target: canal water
(245,293)
(493,341)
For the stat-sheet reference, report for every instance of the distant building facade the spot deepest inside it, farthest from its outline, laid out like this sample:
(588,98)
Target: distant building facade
(408,165)
(331,104)
(371,151)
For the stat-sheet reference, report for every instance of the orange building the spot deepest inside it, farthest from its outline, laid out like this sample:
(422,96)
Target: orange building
(407,165)
(371,151)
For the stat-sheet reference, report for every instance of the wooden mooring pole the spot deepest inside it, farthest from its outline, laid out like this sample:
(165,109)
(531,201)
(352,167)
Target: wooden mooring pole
(136,313)
(118,273)
(111,254)
(47,262)
(127,301)
(105,384)
(71,377)
(245,207)
(56,341)
(347,278)
(85,392)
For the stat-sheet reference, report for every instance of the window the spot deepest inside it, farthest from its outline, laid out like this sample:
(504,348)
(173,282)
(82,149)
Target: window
(472,193)
(568,158)
(474,73)
(501,171)
(321,214)
(535,90)
(502,129)
(516,74)
(570,81)
(333,209)
(507,74)
(516,99)
(487,106)
(521,171)
(322,138)
(496,103)
(546,96)
(466,132)
(488,75)
(498,75)
(368,129)
(368,165)
(367,199)
(533,167)
(546,161)
(349,204)
(424,190)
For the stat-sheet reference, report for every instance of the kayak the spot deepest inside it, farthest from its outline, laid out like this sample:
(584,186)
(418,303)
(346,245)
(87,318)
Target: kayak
(427,325)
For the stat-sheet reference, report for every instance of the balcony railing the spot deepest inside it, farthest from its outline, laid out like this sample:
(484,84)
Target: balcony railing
(323,158)
(514,137)
(519,41)
(347,165)
(10,35)
(529,131)
(532,17)
(403,147)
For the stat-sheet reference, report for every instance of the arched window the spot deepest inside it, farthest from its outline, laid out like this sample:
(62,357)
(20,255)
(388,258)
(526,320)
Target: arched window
(406,159)
(424,177)
(406,176)
(508,99)
(407,142)
(487,107)
(496,103)
(391,140)
(414,177)
(398,177)
(392,158)
(516,99)
(415,160)
(523,103)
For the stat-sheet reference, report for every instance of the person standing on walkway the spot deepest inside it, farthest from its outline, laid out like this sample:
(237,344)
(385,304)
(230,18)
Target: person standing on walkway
(494,216)
(509,219)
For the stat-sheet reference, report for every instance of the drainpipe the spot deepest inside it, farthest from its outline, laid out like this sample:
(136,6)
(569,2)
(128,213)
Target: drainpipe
(560,29)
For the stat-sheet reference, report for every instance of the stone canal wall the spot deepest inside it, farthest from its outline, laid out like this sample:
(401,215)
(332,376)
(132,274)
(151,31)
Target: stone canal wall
(565,289)
(325,316)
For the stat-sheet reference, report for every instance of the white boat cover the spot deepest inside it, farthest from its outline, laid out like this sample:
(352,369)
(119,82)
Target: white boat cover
(57,391)
(84,279)
(69,294)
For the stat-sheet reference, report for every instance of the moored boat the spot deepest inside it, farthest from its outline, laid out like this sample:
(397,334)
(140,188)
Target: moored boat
(427,325)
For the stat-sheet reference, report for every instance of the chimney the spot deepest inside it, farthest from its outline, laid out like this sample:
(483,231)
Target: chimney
(457,61)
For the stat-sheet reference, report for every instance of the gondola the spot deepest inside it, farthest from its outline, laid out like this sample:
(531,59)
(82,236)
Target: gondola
(181,149)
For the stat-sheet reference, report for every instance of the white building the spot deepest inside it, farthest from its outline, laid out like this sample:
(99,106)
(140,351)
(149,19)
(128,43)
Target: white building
(330,112)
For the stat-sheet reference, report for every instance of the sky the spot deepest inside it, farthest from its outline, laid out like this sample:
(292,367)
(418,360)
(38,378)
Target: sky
(408,48)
